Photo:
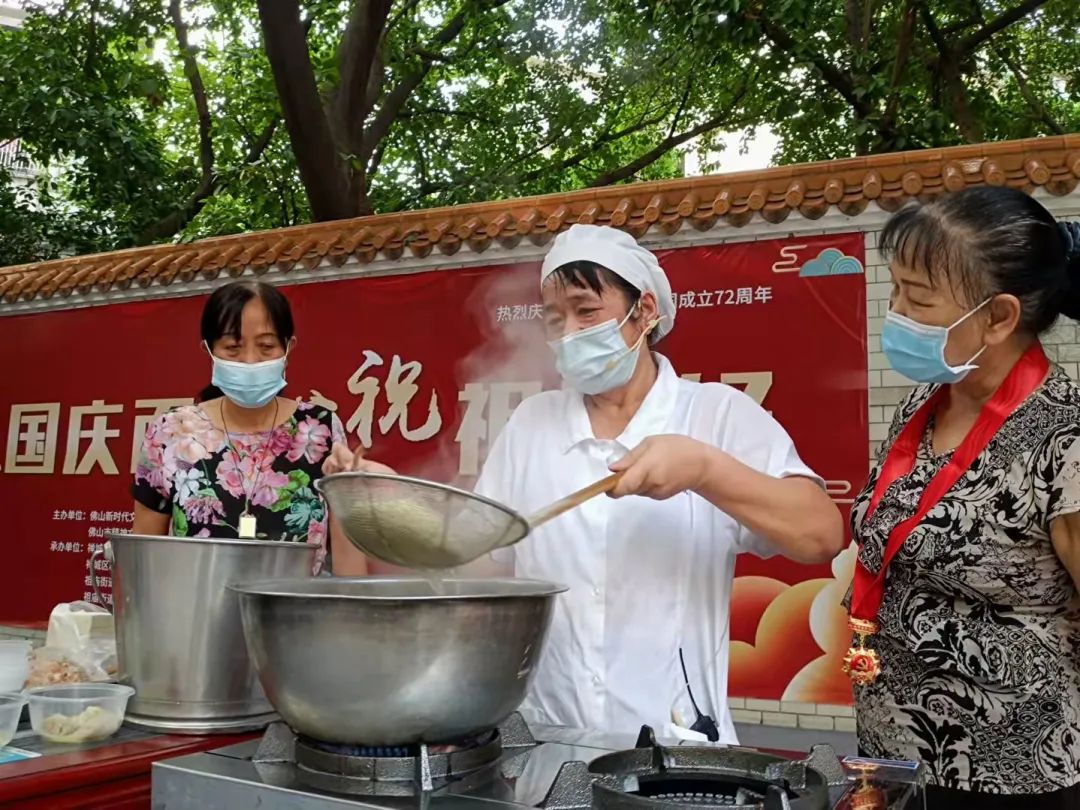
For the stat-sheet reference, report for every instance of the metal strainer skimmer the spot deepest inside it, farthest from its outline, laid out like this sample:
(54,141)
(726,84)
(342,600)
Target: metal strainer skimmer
(426,525)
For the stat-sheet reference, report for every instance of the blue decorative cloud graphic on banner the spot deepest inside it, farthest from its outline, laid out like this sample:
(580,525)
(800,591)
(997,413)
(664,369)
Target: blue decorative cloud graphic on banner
(831,262)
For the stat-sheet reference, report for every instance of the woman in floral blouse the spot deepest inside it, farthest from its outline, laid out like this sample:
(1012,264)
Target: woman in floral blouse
(243,462)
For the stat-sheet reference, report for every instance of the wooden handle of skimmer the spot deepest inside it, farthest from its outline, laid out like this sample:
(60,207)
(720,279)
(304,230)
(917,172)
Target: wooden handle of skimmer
(601,487)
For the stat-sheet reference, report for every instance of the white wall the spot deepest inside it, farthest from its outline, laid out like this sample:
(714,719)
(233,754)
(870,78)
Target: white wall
(11,17)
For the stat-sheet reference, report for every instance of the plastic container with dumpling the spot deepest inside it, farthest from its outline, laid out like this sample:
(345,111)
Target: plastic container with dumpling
(78,713)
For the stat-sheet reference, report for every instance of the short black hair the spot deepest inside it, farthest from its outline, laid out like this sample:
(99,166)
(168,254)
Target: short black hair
(992,240)
(224,309)
(223,312)
(593,276)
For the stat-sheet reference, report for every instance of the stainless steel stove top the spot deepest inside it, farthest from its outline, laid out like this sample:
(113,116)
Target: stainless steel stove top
(547,768)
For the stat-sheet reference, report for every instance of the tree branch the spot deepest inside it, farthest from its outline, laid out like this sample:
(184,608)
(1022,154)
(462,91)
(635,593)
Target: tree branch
(1033,101)
(630,169)
(376,79)
(431,56)
(358,57)
(853,14)
(932,29)
(449,112)
(681,108)
(870,8)
(633,167)
(90,63)
(406,8)
(198,93)
(904,43)
(421,160)
(284,205)
(957,27)
(396,99)
(429,187)
(177,220)
(257,147)
(426,189)
(590,150)
(374,163)
(972,42)
(947,69)
(318,160)
(500,177)
(391,108)
(840,81)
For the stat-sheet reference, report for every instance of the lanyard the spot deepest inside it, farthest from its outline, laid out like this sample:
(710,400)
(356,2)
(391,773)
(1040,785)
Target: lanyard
(247,528)
(1023,379)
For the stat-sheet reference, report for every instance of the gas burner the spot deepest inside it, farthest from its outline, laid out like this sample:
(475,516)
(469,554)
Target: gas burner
(396,764)
(360,770)
(393,752)
(355,750)
(654,777)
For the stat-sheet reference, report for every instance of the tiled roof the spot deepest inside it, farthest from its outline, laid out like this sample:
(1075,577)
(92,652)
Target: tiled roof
(700,202)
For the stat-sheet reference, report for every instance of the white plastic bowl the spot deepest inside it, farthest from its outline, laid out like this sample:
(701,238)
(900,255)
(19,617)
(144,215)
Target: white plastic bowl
(78,713)
(10,711)
(14,665)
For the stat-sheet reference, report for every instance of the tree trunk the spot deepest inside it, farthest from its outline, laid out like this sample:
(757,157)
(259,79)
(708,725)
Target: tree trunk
(358,65)
(175,221)
(323,171)
(957,93)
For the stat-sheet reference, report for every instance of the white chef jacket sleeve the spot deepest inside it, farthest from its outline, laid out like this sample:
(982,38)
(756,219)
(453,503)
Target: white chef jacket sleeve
(747,432)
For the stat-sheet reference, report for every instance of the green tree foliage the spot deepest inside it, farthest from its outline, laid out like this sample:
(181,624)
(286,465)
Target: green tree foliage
(844,77)
(159,120)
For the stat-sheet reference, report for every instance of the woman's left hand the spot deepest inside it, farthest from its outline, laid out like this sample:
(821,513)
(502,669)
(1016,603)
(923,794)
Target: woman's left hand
(662,466)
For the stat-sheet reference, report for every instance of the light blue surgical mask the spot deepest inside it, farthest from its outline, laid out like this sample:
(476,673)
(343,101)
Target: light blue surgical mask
(597,360)
(918,351)
(249,385)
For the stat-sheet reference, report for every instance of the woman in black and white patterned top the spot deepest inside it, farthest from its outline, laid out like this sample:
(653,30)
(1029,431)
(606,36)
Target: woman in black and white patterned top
(969,528)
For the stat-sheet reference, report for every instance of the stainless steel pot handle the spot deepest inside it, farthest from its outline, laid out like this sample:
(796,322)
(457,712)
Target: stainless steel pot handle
(103,553)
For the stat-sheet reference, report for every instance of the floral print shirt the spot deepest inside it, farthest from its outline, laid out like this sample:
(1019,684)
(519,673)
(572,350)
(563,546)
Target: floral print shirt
(191,472)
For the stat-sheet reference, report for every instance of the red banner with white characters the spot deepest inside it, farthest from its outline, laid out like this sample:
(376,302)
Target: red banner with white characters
(425,369)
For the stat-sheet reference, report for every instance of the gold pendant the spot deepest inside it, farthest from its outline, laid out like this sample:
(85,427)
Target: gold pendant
(867,797)
(862,664)
(247,527)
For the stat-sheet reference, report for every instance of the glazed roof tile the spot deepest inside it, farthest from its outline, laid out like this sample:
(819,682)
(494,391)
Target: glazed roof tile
(811,189)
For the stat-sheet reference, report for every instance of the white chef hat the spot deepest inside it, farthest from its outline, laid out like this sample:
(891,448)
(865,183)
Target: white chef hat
(620,253)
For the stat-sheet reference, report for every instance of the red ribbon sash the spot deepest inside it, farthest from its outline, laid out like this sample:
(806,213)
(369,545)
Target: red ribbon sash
(1023,379)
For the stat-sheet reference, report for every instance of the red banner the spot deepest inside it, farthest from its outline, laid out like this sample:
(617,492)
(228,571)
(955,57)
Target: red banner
(425,369)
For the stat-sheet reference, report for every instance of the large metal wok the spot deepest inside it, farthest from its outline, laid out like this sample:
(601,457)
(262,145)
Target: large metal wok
(389,661)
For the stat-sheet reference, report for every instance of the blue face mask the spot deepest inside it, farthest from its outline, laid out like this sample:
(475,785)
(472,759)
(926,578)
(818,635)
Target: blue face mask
(596,360)
(918,351)
(249,385)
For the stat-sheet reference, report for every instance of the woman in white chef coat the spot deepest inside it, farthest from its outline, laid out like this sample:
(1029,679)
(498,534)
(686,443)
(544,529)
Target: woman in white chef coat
(648,576)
